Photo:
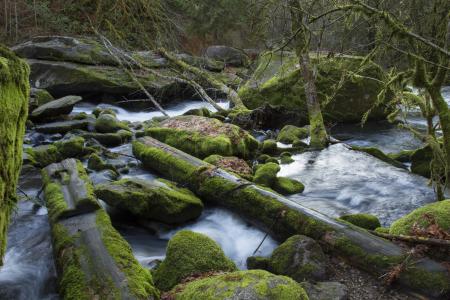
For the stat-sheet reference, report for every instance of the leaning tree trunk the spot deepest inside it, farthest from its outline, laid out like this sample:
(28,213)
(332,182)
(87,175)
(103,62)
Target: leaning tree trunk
(359,247)
(14,94)
(318,133)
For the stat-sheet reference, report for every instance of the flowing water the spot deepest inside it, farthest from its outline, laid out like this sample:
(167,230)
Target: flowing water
(338,181)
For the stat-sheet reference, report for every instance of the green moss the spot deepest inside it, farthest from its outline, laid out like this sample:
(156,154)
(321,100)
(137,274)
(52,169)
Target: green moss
(106,123)
(382,230)
(139,279)
(269,147)
(300,258)
(201,137)
(365,221)
(254,284)
(14,95)
(190,253)
(45,155)
(287,186)
(421,161)
(54,194)
(277,81)
(286,158)
(202,112)
(290,134)
(439,211)
(266,174)
(380,155)
(96,163)
(257,262)
(159,200)
(402,156)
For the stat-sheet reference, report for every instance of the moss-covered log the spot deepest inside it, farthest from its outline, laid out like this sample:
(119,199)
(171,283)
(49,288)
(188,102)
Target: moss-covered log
(14,94)
(92,259)
(361,248)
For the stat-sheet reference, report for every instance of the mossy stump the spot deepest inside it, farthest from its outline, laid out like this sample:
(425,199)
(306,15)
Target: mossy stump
(14,95)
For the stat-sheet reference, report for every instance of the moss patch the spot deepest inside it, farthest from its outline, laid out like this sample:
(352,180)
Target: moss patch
(190,253)
(201,137)
(266,174)
(365,221)
(439,211)
(290,134)
(14,95)
(288,186)
(232,164)
(255,284)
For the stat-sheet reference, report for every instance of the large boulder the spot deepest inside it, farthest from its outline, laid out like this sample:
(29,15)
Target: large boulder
(55,108)
(159,200)
(201,137)
(277,80)
(228,55)
(64,48)
(14,94)
(249,285)
(437,213)
(189,253)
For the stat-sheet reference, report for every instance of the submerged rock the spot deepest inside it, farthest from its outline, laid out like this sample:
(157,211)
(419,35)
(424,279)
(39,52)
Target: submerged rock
(277,81)
(55,108)
(421,218)
(189,253)
(365,221)
(159,200)
(249,285)
(201,137)
(300,258)
(380,155)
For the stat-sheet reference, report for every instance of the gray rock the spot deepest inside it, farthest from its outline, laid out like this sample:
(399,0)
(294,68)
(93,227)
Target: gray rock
(65,126)
(228,55)
(63,48)
(55,108)
(326,291)
(300,258)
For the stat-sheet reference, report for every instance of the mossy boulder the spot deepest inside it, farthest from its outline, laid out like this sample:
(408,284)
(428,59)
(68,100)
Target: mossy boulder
(365,221)
(269,147)
(257,263)
(44,155)
(202,137)
(300,258)
(14,94)
(107,123)
(159,200)
(286,158)
(189,253)
(421,160)
(231,163)
(422,217)
(39,97)
(277,80)
(254,284)
(402,156)
(287,186)
(202,112)
(290,134)
(266,174)
(109,139)
(96,163)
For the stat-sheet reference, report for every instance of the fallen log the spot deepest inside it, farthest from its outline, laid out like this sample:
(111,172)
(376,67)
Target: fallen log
(360,248)
(92,259)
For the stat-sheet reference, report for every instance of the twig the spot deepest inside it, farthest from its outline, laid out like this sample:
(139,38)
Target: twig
(413,239)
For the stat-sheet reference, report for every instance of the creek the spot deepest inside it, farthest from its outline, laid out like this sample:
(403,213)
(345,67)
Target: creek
(338,181)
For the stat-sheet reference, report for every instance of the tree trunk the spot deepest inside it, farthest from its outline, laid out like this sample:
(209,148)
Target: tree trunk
(261,206)
(318,133)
